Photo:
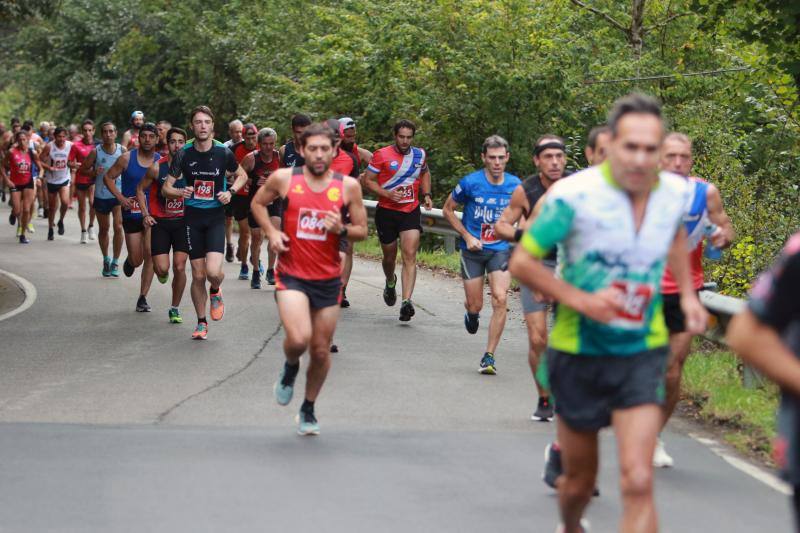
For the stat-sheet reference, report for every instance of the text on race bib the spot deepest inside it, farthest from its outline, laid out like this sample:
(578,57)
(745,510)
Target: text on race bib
(23,166)
(135,207)
(173,206)
(637,297)
(60,164)
(204,189)
(488,235)
(311,224)
(408,194)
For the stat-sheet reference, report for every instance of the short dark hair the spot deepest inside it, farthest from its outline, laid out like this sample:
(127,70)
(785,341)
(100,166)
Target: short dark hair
(316,129)
(108,123)
(300,120)
(14,121)
(179,131)
(164,123)
(201,109)
(594,133)
(632,103)
(494,141)
(405,123)
(27,124)
(87,121)
(27,127)
(60,129)
(149,126)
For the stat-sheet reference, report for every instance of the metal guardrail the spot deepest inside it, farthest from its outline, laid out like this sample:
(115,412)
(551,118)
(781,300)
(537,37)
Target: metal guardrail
(433,221)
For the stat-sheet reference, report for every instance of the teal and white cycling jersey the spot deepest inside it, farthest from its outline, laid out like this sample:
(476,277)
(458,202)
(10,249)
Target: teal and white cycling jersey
(590,218)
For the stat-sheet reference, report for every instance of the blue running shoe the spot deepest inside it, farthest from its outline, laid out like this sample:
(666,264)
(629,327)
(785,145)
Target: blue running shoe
(106,268)
(307,424)
(261,268)
(283,389)
(471,322)
(487,364)
(244,273)
(114,272)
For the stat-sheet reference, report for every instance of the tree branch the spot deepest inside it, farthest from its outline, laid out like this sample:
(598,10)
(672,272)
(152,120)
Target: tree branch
(666,21)
(606,16)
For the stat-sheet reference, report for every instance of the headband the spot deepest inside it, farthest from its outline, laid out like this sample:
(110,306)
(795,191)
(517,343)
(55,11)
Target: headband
(552,144)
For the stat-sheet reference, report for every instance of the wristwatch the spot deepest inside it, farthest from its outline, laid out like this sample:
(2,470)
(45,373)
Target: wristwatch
(343,233)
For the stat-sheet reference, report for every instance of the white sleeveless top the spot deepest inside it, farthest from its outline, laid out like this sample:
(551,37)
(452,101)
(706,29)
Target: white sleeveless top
(58,157)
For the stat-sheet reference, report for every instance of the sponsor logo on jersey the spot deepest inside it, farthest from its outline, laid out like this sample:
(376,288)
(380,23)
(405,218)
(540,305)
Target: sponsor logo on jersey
(298,189)
(334,193)
(394,165)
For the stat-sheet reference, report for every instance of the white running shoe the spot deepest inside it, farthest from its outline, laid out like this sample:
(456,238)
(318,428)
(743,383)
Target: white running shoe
(584,526)
(91,233)
(661,458)
(84,237)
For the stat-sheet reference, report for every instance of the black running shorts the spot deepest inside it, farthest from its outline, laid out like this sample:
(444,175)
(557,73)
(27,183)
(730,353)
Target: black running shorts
(320,293)
(132,225)
(390,223)
(168,234)
(205,231)
(53,188)
(240,207)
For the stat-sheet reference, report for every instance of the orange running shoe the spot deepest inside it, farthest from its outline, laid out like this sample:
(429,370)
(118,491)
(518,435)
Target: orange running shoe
(217,307)
(201,331)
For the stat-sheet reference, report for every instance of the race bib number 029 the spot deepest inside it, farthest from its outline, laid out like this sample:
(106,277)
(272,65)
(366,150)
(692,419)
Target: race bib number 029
(637,298)
(173,206)
(488,235)
(311,225)
(408,194)
(204,189)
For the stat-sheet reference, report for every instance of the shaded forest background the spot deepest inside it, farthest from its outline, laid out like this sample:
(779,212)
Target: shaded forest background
(727,72)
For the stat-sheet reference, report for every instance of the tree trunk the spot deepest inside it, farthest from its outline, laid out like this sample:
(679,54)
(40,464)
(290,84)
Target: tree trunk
(636,34)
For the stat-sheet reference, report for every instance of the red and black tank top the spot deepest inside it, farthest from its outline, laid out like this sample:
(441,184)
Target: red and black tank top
(20,163)
(313,252)
(261,169)
(160,206)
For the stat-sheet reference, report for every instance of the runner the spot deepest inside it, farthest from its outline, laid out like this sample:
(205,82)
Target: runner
(204,166)
(240,202)
(41,191)
(765,335)
(54,158)
(236,133)
(617,225)
(399,176)
(162,146)
(308,273)
(37,173)
(259,165)
(550,158)
(290,157)
(84,181)
(164,216)
(484,194)
(17,175)
(130,139)
(132,166)
(597,144)
(706,212)
(106,205)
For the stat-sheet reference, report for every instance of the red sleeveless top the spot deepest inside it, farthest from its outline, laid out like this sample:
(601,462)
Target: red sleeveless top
(20,162)
(313,252)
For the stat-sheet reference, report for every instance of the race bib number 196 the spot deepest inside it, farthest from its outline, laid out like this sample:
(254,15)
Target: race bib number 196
(204,189)
(311,225)
(637,297)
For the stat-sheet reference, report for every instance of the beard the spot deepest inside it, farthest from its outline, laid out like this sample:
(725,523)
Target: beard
(314,172)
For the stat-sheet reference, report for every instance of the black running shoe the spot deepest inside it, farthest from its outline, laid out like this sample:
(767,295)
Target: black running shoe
(142,306)
(406,311)
(12,219)
(552,466)
(50,236)
(345,302)
(229,253)
(255,282)
(390,293)
(471,322)
(334,348)
(544,411)
(270,276)
(128,269)
(61,227)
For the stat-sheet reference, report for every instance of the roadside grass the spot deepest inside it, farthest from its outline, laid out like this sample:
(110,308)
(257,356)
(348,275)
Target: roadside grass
(436,259)
(712,386)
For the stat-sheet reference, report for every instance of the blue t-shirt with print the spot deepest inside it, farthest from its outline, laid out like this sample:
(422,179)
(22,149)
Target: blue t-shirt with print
(484,202)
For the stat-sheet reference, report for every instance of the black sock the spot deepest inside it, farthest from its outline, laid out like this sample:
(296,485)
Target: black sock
(202,320)
(307,407)
(290,373)
(212,290)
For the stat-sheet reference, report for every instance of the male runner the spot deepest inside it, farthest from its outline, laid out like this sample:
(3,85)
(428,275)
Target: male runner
(240,202)
(132,166)
(767,336)
(41,191)
(290,157)
(597,144)
(706,209)
(550,158)
(484,194)
(618,224)
(204,166)
(55,157)
(130,139)
(17,175)
(259,165)
(84,181)
(162,146)
(106,205)
(236,135)
(308,273)
(164,216)
(399,176)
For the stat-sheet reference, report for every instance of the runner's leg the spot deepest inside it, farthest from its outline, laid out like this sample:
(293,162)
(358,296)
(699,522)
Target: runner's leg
(104,227)
(213,267)
(473,294)
(82,209)
(147,270)
(134,245)
(409,244)
(295,312)
(679,346)
(179,276)
(389,261)
(63,194)
(244,240)
(198,290)
(255,248)
(499,282)
(576,484)
(161,264)
(51,212)
(28,195)
(536,323)
(271,256)
(323,326)
(119,233)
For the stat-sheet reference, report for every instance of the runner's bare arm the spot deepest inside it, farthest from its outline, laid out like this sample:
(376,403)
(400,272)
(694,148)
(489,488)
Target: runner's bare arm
(248,162)
(449,212)
(45,156)
(170,191)
(365,155)
(37,159)
(357,228)
(273,190)
(111,175)
(513,213)
(725,234)
(425,189)
(141,195)
(87,167)
(678,261)
(126,138)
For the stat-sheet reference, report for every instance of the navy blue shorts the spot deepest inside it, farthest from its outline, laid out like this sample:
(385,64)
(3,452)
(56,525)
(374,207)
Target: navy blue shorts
(104,206)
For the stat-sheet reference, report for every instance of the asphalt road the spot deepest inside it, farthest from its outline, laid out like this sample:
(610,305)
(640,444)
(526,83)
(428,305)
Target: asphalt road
(112,420)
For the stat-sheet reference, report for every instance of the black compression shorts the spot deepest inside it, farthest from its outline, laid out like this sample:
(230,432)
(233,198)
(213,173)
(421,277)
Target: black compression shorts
(168,233)
(205,231)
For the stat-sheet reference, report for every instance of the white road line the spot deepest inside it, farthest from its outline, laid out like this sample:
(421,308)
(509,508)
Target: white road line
(751,470)
(27,288)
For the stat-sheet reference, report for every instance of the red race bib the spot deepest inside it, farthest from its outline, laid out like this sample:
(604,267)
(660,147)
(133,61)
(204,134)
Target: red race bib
(408,194)
(136,209)
(311,225)
(488,235)
(204,189)
(174,206)
(637,297)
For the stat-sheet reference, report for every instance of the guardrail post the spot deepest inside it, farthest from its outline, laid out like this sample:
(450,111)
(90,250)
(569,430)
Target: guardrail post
(449,244)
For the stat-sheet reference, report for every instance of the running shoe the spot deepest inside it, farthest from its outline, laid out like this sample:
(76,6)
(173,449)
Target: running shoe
(261,268)
(270,276)
(307,424)
(217,307)
(61,227)
(106,268)
(127,268)
(24,240)
(201,331)
(487,364)
(175,316)
(471,322)
(84,237)
(255,283)
(114,269)
(141,305)
(334,348)
(91,233)
(244,273)
(283,388)
(50,236)
(544,411)
(19,231)
(345,303)
(163,279)
(584,527)
(389,292)
(552,465)
(12,219)
(406,311)
(229,253)
(30,228)
(661,459)
(40,212)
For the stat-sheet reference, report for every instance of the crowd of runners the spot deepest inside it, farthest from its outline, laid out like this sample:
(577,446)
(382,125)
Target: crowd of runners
(609,259)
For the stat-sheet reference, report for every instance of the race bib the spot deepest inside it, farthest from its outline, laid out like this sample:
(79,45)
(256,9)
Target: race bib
(136,209)
(488,235)
(60,164)
(408,194)
(246,189)
(23,166)
(173,206)
(311,225)
(637,297)
(204,189)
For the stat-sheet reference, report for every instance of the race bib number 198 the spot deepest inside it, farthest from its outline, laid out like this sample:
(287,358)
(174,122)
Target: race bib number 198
(637,297)
(204,189)
(311,225)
